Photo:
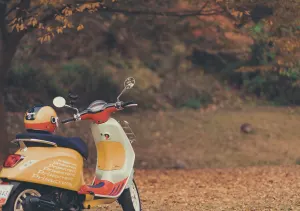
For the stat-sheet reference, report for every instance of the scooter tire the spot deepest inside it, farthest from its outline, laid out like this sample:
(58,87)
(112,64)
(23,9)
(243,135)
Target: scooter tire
(125,200)
(9,206)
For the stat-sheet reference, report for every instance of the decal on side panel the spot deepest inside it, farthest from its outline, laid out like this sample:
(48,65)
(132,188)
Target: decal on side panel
(58,172)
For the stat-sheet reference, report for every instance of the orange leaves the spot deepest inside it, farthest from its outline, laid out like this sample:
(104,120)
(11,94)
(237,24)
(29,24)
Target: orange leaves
(80,27)
(17,24)
(64,21)
(91,7)
(32,21)
(19,27)
(81,8)
(41,26)
(59,18)
(49,29)
(247,12)
(236,13)
(62,18)
(45,38)
(59,30)
(48,2)
(67,11)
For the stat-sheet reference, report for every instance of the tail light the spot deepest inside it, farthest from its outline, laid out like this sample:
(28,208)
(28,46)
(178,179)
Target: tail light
(12,160)
(3,183)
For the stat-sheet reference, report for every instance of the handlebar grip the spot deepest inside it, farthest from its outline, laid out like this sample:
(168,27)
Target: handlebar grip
(68,120)
(128,104)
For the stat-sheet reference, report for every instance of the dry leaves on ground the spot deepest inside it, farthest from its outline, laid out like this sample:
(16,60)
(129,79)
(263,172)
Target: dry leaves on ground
(241,189)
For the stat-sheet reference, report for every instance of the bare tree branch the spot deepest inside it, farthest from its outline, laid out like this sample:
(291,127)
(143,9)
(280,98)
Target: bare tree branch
(181,13)
(226,11)
(50,13)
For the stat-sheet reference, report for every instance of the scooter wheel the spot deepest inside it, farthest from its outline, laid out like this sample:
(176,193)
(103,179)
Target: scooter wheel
(17,197)
(130,199)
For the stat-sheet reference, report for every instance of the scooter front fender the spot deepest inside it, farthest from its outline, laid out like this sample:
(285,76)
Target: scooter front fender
(52,166)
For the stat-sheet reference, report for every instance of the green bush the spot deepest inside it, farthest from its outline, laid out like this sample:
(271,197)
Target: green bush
(280,87)
(202,100)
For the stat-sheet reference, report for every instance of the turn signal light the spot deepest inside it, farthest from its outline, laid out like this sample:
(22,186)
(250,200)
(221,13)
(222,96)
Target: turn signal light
(12,160)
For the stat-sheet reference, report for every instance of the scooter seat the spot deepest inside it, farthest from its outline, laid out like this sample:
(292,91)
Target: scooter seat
(75,143)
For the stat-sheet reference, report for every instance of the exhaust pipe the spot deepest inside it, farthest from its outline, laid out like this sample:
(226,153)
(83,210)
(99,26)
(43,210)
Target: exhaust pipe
(33,203)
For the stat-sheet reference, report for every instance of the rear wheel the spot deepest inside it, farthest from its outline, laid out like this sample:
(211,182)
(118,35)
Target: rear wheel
(66,202)
(15,201)
(130,199)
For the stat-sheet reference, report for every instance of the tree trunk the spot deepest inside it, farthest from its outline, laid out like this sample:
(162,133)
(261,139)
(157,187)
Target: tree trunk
(9,42)
(7,52)
(8,46)
(4,143)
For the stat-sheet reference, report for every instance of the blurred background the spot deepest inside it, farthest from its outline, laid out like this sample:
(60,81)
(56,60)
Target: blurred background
(218,90)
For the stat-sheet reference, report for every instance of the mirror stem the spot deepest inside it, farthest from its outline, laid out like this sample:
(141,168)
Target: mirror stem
(118,98)
(72,108)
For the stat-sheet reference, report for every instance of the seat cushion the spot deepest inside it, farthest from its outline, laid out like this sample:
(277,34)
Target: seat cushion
(75,143)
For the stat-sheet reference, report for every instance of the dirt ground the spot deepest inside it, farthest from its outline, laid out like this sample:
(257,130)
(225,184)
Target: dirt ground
(242,189)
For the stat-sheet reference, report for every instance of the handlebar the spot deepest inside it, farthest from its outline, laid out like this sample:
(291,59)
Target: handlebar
(68,120)
(128,104)
(122,105)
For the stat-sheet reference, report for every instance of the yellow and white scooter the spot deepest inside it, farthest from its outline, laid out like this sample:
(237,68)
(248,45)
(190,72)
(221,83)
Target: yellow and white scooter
(46,173)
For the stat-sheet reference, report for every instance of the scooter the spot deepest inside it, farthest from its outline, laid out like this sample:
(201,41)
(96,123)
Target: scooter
(46,173)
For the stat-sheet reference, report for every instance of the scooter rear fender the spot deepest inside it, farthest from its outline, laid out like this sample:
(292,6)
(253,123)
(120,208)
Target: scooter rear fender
(52,166)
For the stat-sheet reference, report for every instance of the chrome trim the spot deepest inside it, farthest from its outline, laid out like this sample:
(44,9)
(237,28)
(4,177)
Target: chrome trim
(23,147)
(132,105)
(34,140)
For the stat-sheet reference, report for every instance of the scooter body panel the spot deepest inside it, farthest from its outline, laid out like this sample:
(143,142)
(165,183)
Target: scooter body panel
(115,158)
(52,166)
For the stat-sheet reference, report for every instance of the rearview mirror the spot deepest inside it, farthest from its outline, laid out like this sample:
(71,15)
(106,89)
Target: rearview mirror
(129,82)
(59,102)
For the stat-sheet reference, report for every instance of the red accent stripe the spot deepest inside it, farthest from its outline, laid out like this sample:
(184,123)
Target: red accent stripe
(119,189)
(48,126)
(109,188)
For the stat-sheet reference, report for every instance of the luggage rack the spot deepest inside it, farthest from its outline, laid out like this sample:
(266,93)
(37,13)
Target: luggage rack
(128,131)
(22,143)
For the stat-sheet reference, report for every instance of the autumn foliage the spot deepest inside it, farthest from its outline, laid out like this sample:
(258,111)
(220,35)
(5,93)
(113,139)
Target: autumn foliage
(61,17)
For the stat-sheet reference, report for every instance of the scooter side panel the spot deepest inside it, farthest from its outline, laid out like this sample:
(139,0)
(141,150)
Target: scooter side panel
(115,172)
(57,167)
(111,155)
